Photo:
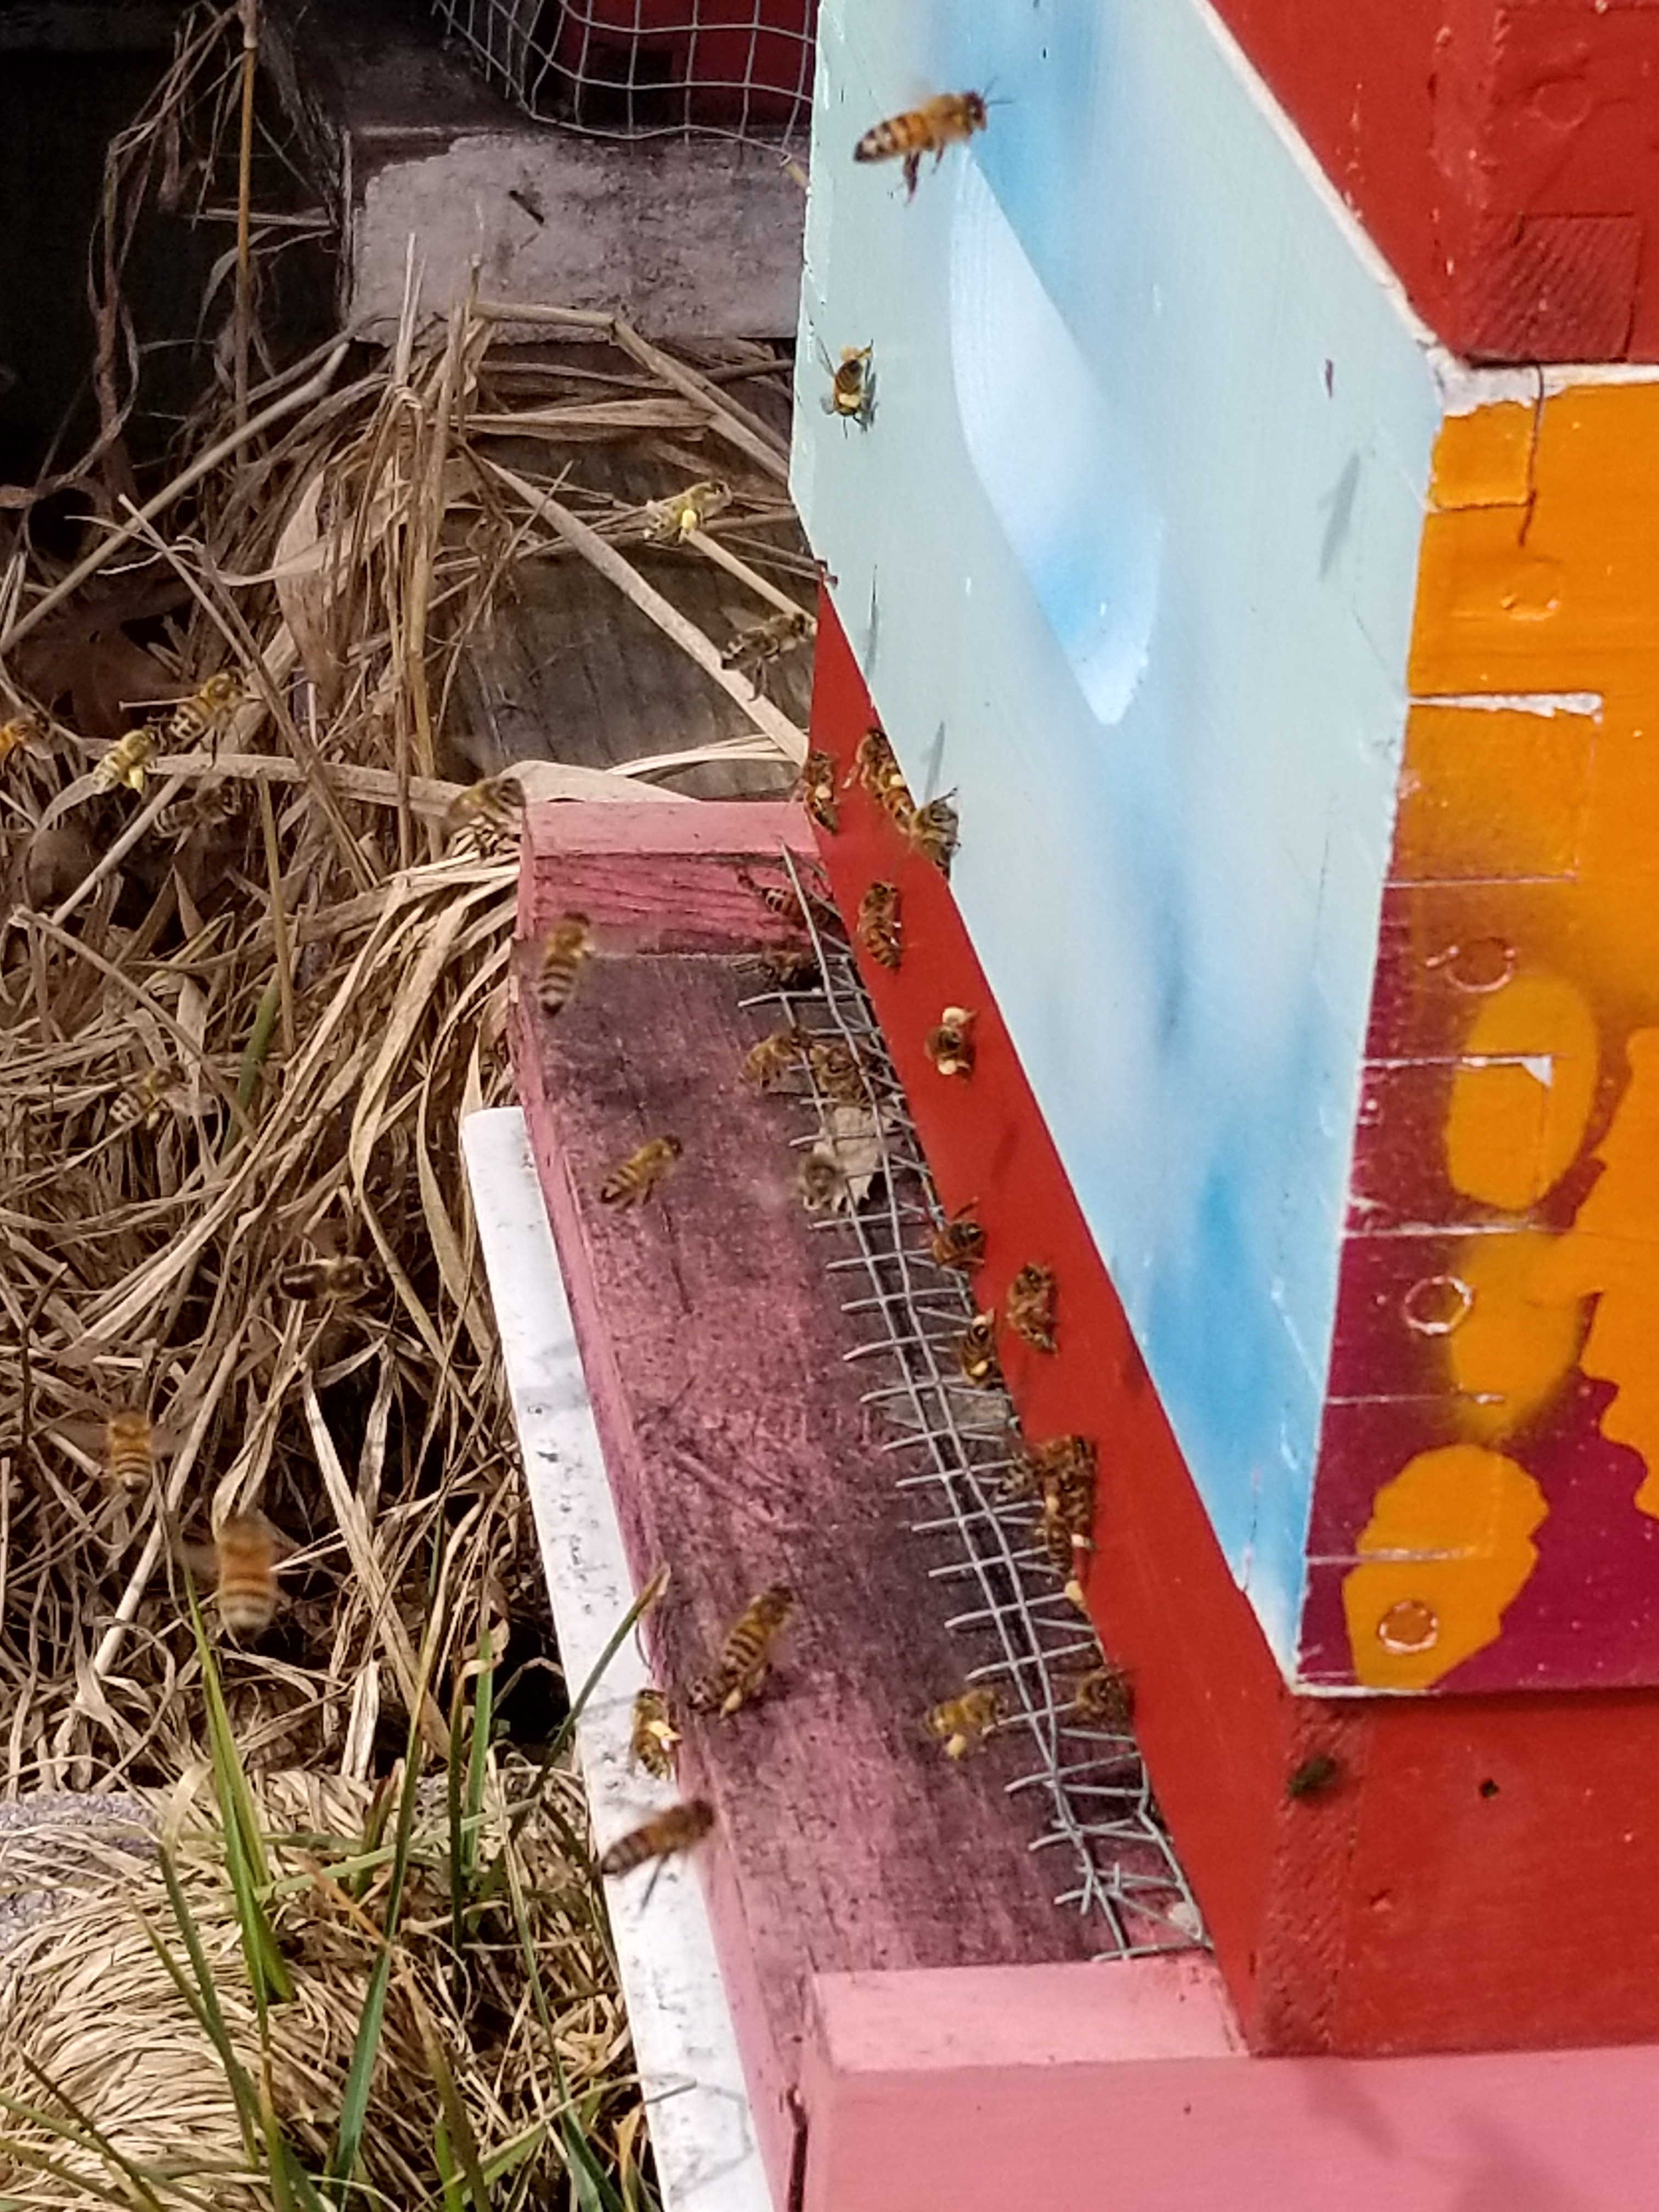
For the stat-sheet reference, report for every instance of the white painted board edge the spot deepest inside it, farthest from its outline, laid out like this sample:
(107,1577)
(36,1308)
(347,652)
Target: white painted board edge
(702,2125)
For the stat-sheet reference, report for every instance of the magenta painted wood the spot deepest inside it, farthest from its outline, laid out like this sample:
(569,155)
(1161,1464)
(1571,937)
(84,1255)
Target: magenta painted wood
(1124,2089)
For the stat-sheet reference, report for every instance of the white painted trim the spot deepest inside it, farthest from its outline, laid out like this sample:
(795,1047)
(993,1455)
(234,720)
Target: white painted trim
(702,2129)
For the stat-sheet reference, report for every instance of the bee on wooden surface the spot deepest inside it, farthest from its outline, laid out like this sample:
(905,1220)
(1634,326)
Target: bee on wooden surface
(815,790)
(933,831)
(484,818)
(676,1830)
(1105,1694)
(566,946)
(976,1351)
(958,1243)
(127,761)
(852,393)
(128,1448)
(1315,1775)
(1029,1309)
(879,925)
(765,1064)
(950,118)
(241,1565)
(900,808)
(837,1069)
(1066,1472)
(788,967)
(653,1735)
(873,764)
(672,520)
(822,1182)
(759,642)
(19,735)
(204,713)
(950,1045)
(746,1654)
(961,1724)
(633,1180)
(342,1275)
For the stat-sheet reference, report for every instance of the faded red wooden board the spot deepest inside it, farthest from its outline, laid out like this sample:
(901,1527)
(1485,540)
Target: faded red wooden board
(1412,1905)
(739,1452)
(1500,153)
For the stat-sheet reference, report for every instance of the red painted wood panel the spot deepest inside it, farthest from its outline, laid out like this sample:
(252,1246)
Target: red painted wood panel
(1409,1907)
(1500,153)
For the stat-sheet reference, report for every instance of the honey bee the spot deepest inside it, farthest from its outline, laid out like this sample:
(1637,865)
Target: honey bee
(653,1736)
(207,810)
(961,1724)
(142,1103)
(933,831)
(1105,1694)
(484,818)
(789,967)
(633,1180)
(127,761)
(837,1069)
(671,521)
(873,764)
(976,1351)
(852,395)
(746,1654)
(950,1045)
(900,808)
(241,1565)
(958,1242)
(19,735)
(822,1181)
(564,949)
(878,930)
(937,124)
(759,642)
(343,1275)
(815,790)
(1029,1309)
(1315,1775)
(678,1829)
(1065,1471)
(203,713)
(765,1064)
(128,1448)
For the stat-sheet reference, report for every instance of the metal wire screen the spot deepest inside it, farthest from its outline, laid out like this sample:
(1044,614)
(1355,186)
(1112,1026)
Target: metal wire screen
(648,68)
(954,1447)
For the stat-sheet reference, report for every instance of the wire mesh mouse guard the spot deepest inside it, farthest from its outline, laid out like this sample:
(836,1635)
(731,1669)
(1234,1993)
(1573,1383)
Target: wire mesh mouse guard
(645,69)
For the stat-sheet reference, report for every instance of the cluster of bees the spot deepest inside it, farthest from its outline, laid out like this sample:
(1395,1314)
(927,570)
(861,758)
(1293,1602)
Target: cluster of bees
(176,725)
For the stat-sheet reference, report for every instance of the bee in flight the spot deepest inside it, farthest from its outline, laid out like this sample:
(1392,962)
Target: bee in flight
(758,643)
(128,1448)
(241,1565)
(976,1351)
(878,930)
(633,1180)
(343,1275)
(203,714)
(1105,1694)
(765,1064)
(815,790)
(19,735)
(1030,1310)
(484,819)
(674,521)
(950,1045)
(127,761)
(653,1735)
(961,1724)
(933,831)
(746,1656)
(937,124)
(663,1837)
(958,1243)
(852,394)
(566,946)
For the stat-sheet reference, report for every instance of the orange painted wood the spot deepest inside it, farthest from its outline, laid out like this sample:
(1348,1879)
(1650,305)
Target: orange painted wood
(1478,1874)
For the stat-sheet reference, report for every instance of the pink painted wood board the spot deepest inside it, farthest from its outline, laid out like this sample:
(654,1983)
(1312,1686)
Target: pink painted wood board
(740,1452)
(1123,2088)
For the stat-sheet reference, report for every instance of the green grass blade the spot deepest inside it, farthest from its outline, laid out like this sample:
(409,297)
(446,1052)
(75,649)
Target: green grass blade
(203,2001)
(457,2125)
(478,1754)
